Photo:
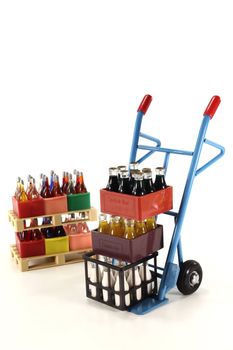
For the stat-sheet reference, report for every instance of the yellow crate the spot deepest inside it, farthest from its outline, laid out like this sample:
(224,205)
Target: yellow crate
(56,245)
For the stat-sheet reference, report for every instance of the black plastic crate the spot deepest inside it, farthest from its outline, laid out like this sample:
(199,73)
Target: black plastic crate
(121,299)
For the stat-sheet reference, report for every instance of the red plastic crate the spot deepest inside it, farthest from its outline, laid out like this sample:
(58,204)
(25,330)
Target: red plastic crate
(30,248)
(129,250)
(136,207)
(55,205)
(80,241)
(34,207)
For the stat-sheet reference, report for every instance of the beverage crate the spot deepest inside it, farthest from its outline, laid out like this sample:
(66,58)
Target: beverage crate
(80,241)
(122,299)
(56,245)
(130,250)
(136,207)
(79,201)
(34,207)
(30,248)
(55,205)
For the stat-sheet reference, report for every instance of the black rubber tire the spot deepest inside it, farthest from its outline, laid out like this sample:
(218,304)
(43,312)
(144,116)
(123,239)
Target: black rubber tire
(190,277)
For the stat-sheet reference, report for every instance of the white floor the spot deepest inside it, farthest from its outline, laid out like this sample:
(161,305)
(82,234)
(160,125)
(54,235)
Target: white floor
(47,308)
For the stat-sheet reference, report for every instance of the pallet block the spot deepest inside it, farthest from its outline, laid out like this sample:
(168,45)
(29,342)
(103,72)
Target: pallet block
(45,261)
(19,224)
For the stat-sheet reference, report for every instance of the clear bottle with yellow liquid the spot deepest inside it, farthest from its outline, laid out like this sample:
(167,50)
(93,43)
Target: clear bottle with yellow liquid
(140,227)
(22,196)
(150,224)
(116,228)
(104,226)
(129,229)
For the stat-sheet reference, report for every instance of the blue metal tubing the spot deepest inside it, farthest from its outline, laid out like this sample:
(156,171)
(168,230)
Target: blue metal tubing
(183,206)
(213,160)
(136,135)
(166,150)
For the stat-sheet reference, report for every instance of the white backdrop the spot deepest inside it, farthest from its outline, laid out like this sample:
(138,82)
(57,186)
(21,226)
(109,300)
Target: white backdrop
(72,75)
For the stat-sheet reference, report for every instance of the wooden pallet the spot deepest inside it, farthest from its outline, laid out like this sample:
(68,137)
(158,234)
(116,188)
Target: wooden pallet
(20,225)
(44,261)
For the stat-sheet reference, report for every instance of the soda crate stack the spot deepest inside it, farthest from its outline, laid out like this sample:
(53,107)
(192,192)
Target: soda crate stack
(51,220)
(118,271)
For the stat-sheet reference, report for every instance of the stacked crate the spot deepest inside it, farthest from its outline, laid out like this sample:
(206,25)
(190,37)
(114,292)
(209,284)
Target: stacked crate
(135,253)
(58,209)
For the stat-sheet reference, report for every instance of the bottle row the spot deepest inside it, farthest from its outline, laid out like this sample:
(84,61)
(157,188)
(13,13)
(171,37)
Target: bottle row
(134,181)
(134,279)
(51,232)
(122,227)
(50,188)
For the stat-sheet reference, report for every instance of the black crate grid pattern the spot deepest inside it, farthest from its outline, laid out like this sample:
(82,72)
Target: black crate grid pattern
(134,291)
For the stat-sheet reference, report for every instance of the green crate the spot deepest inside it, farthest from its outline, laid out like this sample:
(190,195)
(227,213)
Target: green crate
(79,201)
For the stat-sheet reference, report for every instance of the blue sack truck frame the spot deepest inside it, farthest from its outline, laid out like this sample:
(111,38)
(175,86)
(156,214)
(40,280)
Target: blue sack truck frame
(187,275)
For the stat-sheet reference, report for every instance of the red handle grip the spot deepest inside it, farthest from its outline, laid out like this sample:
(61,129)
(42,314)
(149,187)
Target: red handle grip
(144,105)
(212,106)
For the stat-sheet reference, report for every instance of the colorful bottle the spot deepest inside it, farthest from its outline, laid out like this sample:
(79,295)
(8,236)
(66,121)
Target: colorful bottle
(46,191)
(41,183)
(140,228)
(129,229)
(51,180)
(35,233)
(116,227)
(82,187)
(18,188)
(70,187)
(124,186)
(56,190)
(22,196)
(64,182)
(33,194)
(150,223)
(104,226)
(29,186)
(160,183)
(113,182)
(138,188)
(147,181)
(59,231)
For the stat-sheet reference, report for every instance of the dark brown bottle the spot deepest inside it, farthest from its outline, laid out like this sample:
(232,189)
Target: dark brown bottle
(159,183)
(113,183)
(138,189)
(147,181)
(124,186)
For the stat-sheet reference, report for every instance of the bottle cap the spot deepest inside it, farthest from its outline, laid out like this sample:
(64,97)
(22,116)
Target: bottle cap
(133,165)
(146,170)
(147,175)
(121,167)
(129,222)
(115,218)
(160,171)
(113,171)
(138,176)
(124,174)
(102,217)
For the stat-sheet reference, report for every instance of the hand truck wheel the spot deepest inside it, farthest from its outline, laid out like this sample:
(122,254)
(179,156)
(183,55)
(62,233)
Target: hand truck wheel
(190,277)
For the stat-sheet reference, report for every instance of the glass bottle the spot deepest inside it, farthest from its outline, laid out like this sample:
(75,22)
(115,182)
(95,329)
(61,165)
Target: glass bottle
(51,180)
(35,233)
(22,196)
(147,181)
(18,188)
(113,182)
(82,184)
(104,226)
(140,228)
(46,191)
(41,183)
(129,229)
(70,187)
(124,186)
(29,186)
(77,181)
(56,190)
(119,169)
(150,223)
(34,193)
(160,183)
(138,188)
(116,227)
(64,182)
